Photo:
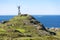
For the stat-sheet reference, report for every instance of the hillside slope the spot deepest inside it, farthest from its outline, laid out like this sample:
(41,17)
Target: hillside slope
(24,25)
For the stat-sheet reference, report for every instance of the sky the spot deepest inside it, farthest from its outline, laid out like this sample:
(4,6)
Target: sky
(32,7)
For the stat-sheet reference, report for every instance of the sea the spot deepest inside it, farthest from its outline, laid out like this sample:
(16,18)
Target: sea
(47,20)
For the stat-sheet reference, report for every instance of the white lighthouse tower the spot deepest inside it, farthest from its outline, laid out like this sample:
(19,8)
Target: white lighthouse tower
(19,10)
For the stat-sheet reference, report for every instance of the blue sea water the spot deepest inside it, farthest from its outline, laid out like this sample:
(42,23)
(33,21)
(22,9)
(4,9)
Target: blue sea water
(6,17)
(47,20)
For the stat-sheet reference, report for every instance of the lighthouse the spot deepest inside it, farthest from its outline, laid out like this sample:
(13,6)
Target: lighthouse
(19,10)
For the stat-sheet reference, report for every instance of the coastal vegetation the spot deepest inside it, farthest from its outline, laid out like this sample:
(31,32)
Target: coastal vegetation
(26,27)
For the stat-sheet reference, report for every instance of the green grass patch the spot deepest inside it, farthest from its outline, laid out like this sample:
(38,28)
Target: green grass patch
(21,30)
(2,30)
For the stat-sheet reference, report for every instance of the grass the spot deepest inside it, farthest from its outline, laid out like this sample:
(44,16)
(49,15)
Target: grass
(21,30)
(18,24)
(2,30)
(33,38)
